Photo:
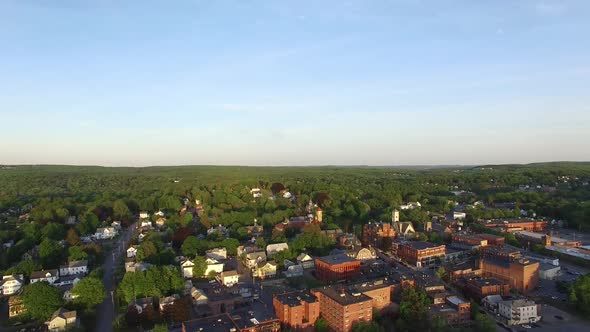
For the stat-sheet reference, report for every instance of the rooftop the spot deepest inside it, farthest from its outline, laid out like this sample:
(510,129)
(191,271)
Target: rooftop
(219,323)
(420,245)
(486,282)
(344,295)
(294,299)
(337,259)
(455,300)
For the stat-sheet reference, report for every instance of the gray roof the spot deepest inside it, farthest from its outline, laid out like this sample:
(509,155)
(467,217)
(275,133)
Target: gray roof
(43,274)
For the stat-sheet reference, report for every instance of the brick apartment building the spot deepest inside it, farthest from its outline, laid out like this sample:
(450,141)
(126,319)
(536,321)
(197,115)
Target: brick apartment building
(513,225)
(420,253)
(337,267)
(493,240)
(378,234)
(480,288)
(464,240)
(297,311)
(455,311)
(509,266)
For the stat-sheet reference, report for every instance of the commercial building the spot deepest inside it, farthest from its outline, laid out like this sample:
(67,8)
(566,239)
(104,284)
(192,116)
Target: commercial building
(546,239)
(465,241)
(378,234)
(509,266)
(455,311)
(515,225)
(297,311)
(420,253)
(480,288)
(336,267)
(493,240)
(519,312)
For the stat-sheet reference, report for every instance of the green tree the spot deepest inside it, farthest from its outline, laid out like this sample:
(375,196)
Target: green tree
(413,309)
(146,250)
(54,231)
(121,210)
(192,246)
(200,266)
(321,325)
(76,253)
(260,242)
(50,253)
(41,299)
(160,328)
(89,291)
(483,323)
(72,237)
(580,294)
(367,327)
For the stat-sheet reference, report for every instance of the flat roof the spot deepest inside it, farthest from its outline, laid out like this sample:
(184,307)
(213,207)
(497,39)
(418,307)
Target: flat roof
(344,295)
(487,282)
(421,245)
(337,259)
(455,300)
(219,323)
(294,299)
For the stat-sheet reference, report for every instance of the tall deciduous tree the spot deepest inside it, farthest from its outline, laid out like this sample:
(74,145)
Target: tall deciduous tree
(89,292)
(41,299)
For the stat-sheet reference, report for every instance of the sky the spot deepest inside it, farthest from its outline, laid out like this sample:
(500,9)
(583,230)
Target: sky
(187,82)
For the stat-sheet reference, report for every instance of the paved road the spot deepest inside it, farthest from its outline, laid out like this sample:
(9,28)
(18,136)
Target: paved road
(105,313)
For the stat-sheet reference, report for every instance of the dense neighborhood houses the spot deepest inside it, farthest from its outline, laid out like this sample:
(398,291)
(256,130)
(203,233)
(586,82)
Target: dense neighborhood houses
(187,268)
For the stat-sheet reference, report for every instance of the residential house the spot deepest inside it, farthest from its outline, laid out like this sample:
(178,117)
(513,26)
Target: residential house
(167,301)
(294,271)
(146,223)
(305,260)
(228,278)
(12,284)
(131,252)
(74,267)
(116,225)
(68,280)
(253,258)
(256,192)
(199,297)
(16,306)
(61,320)
(136,266)
(265,270)
(50,276)
(104,233)
(71,220)
(272,249)
(143,215)
(220,229)
(159,213)
(243,250)
(410,206)
(187,268)
(213,266)
(160,222)
(217,253)
(141,304)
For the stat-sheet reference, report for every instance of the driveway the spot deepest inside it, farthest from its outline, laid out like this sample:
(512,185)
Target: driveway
(106,310)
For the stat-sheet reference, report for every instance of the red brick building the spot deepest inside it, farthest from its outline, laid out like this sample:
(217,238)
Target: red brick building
(336,268)
(420,253)
(493,240)
(468,240)
(378,235)
(480,288)
(513,225)
(509,266)
(297,311)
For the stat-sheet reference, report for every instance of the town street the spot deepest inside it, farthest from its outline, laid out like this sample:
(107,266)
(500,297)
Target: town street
(105,312)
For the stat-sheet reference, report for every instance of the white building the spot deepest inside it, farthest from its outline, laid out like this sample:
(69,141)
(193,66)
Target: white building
(146,223)
(199,296)
(75,267)
(143,215)
(217,253)
(131,252)
(459,215)
(228,278)
(256,192)
(62,320)
(187,268)
(549,271)
(518,312)
(104,233)
(305,260)
(11,284)
(50,276)
(410,206)
(294,271)
(272,249)
(213,266)
(253,258)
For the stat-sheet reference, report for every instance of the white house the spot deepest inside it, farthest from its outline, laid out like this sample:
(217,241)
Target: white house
(272,249)
(518,312)
(228,278)
(143,215)
(187,268)
(103,233)
(410,206)
(62,320)
(287,195)
(167,301)
(256,192)
(50,276)
(136,266)
(146,223)
(11,284)
(265,270)
(305,260)
(68,280)
(75,267)
(294,271)
(213,265)
(217,253)
(116,224)
(253,258)
(131,252)
(159,213)
(459,215)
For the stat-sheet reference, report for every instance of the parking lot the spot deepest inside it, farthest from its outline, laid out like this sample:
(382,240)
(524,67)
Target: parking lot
(553,320)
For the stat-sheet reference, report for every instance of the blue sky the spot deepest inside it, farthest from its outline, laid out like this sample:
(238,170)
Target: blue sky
(402,82)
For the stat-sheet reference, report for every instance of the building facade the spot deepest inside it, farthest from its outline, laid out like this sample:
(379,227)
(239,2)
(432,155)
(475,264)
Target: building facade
(336,268)
(297,311)
(420,253)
